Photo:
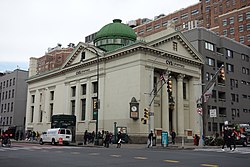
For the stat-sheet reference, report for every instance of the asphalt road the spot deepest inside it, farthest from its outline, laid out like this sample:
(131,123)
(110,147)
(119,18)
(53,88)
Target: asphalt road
(26,155)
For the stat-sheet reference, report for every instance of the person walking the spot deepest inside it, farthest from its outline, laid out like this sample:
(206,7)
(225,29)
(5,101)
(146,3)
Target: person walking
(226,139)
(85,137)
(234,138)
(150,139)
(119,139)
(173,135)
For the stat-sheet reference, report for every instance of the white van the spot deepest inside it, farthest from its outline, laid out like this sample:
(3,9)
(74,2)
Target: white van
(56,136)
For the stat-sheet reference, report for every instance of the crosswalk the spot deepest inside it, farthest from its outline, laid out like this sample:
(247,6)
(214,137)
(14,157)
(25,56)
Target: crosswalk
(242,150)
(34,148)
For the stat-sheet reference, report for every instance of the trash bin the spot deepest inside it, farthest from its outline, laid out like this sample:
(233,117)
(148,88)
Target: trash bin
(154,141)
(164,138)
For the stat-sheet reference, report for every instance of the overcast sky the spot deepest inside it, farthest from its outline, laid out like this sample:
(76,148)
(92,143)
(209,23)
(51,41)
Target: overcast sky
(29,27)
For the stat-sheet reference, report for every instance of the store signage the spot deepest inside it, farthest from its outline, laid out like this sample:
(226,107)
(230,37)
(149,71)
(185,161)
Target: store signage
(169,62)
(82,71)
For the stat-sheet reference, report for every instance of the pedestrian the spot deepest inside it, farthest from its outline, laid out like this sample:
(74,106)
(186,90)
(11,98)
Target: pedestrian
(150,139)
(107,139)
(196,139)
(226,139)
(234,138)
(173,135)
(119,139)
(85,137)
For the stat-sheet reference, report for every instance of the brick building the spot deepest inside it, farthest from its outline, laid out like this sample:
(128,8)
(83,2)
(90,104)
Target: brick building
(230,18)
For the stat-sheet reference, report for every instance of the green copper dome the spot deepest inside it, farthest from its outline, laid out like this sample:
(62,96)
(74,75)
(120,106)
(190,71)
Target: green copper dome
(114,35)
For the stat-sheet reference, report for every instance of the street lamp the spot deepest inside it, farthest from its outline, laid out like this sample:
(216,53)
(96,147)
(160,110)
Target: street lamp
(97,93)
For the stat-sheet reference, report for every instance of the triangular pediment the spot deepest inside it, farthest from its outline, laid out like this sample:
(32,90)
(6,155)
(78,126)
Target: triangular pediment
(175,43)
(82,52)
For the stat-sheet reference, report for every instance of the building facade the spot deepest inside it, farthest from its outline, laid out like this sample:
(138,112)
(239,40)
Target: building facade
(230,98)
(229,18)
(13,93)
(131,78)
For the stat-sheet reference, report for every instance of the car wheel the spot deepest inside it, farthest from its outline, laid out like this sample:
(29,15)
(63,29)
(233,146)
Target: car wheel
(41,141)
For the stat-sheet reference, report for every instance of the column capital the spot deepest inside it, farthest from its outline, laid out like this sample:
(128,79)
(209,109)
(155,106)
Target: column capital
(180,77)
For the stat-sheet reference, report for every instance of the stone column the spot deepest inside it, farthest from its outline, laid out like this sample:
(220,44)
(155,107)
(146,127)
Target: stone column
(78,102)
(165,108)
(180,108)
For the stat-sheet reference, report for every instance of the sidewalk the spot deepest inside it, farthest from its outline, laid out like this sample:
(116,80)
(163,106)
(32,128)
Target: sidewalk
(184,146)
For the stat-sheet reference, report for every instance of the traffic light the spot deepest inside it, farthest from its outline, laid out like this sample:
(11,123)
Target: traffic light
(95,104)
(169,85)
(146,116)
(222,74)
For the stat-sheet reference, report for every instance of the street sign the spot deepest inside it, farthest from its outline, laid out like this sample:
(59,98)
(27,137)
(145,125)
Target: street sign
(212,113)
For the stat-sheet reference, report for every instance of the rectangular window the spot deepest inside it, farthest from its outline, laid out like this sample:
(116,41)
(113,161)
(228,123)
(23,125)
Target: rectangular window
(231,30)
(210,62)
(209,46)
(248,15)
(51,110)
(230,67)
(73,91)
(14,81)
(13,93)
(51,95)
(248,26)
(231,20)
(194,12)
(83,56)
(241,28)
(10,120)
(184,91)
(41,96)
(240,17)
(95,87)
(73,107)
(224,22)
(83,109)
(32,114)
(175,46)
(225,33)
(229,53)
(32,98)
(41,116)
(84,89)
(8,107)
(241,39)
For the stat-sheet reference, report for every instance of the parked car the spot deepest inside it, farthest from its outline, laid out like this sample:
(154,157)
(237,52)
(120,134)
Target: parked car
(56,136)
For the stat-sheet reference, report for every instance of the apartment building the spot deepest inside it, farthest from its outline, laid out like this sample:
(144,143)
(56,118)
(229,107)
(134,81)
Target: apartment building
(53,58)
(13,95)
(229,18)
(230,98)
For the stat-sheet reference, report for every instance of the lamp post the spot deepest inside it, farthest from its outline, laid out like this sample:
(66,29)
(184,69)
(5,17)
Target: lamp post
(97,93)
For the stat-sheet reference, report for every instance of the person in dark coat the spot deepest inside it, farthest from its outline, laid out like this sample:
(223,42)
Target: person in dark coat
(150,139)
(173,135)
(85,137)
(119,139)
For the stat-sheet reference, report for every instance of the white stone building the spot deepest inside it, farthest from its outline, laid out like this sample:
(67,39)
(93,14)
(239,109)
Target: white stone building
(130,71)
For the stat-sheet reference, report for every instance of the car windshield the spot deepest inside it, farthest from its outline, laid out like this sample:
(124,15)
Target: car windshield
(68,132)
